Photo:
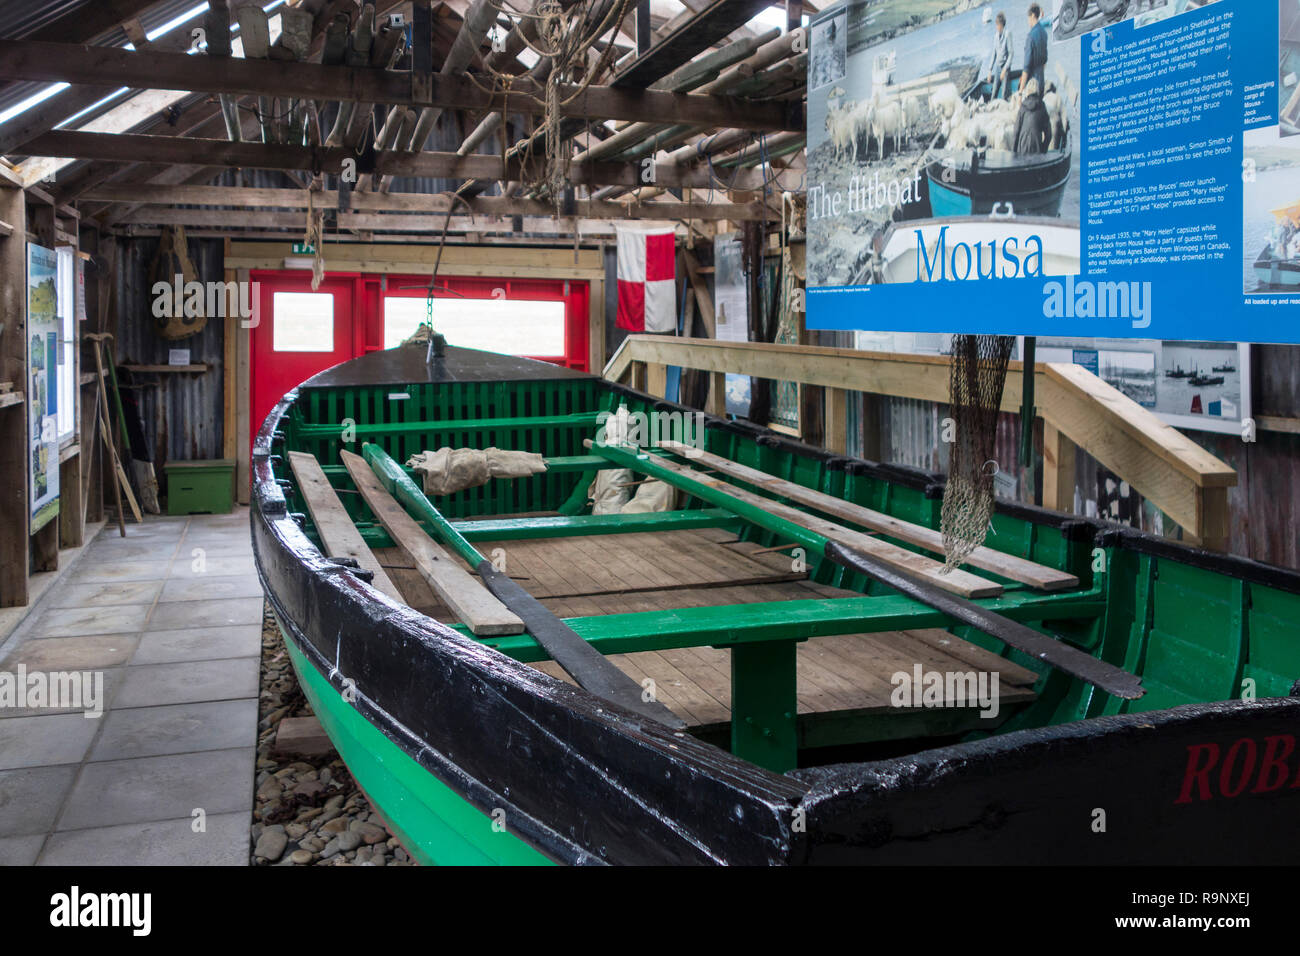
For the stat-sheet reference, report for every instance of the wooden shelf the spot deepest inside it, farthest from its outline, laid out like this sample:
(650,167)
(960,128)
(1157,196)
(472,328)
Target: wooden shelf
(11,398)
(200,367)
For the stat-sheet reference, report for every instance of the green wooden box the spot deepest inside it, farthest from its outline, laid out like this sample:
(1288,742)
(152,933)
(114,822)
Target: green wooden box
(200,487)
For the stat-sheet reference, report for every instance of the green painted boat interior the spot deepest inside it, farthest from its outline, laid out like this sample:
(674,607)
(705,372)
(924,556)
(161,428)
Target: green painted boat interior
(1192,633)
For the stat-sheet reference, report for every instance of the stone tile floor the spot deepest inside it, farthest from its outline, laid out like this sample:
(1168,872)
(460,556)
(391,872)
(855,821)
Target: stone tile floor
(171,617)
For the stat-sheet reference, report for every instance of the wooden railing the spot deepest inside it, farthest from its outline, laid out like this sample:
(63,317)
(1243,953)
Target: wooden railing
(1179,477)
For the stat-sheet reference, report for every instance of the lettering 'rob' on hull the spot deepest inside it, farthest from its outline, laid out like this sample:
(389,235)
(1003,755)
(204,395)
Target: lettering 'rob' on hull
(1133,176)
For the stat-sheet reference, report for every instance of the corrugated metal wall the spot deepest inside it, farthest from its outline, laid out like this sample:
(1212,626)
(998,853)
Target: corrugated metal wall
(181,412)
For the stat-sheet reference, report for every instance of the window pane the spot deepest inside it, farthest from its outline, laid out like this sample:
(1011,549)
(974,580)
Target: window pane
(304,322)
(513,327)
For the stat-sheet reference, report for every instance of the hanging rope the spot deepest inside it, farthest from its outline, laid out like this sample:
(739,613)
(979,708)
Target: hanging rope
(563,37)
(313,238)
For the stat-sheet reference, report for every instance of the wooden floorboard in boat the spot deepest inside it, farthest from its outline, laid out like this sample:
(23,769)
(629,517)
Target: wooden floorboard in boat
(635,562)
(845,673)
(588,576)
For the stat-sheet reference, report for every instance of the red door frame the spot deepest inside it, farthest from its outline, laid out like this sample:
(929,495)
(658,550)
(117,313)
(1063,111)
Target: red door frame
(366,320)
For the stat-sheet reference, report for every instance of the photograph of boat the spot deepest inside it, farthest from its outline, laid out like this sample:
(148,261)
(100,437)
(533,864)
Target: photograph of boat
(518,728)
(1168,377)
(1272,231)
(987,181)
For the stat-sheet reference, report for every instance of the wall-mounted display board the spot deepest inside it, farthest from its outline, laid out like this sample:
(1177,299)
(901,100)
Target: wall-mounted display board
(43,363)
(1111,169)
(731,302)
(1203,386)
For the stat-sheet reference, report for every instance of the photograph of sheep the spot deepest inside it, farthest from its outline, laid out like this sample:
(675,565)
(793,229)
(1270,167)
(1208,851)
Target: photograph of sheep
(965,120)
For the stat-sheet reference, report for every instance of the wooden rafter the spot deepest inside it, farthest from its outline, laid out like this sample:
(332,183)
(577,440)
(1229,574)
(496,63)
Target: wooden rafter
(131,147)
(421,203)
(56,62)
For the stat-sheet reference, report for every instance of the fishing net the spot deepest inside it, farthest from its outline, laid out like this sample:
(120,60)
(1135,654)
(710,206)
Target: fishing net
(979,370)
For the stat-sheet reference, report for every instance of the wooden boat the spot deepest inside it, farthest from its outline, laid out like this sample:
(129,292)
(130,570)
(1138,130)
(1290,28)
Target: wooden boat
(983,181)
(1276,268)
(776,734)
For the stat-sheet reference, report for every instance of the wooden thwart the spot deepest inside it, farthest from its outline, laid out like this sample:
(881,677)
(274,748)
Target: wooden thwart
(958,582)
(459,590)
(1007,565)
(337,532)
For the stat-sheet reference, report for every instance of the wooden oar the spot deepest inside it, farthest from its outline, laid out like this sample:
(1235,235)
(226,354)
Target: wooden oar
(586,665)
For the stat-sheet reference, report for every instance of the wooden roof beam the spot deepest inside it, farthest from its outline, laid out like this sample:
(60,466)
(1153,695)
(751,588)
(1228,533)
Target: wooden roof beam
(422,203)
(131,147)
(56,62)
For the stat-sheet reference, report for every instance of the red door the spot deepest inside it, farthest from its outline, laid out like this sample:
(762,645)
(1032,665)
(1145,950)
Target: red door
(297,333)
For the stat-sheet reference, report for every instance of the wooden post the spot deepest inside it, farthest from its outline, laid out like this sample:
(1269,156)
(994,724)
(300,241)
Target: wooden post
(229,361)
(656,379)
(717,402)
(596,325)
(836,424)
(45,542)
(1216,529)
(243,389)
(1058,470)
(14,508)
(644,32)
(764,704)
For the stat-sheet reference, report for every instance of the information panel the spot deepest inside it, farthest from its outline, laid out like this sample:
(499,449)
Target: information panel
(42,384)
(1110,168)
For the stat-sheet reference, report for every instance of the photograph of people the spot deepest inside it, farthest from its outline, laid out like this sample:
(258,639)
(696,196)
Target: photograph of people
(957,127)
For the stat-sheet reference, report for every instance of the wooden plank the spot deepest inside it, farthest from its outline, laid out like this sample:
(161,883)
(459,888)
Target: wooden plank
(696,35)
(834,675)
(835,421)
(958,582)
(186,150)
(1058,470)
(422,203)
(337,532)
(462,592)
(150,70)
(1009,672)
(986,559)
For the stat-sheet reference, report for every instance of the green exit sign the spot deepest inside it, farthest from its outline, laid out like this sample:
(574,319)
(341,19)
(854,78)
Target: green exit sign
(304,249)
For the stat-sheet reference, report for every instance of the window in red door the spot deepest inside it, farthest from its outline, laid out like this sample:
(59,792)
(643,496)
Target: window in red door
(542,319)
(299,332)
